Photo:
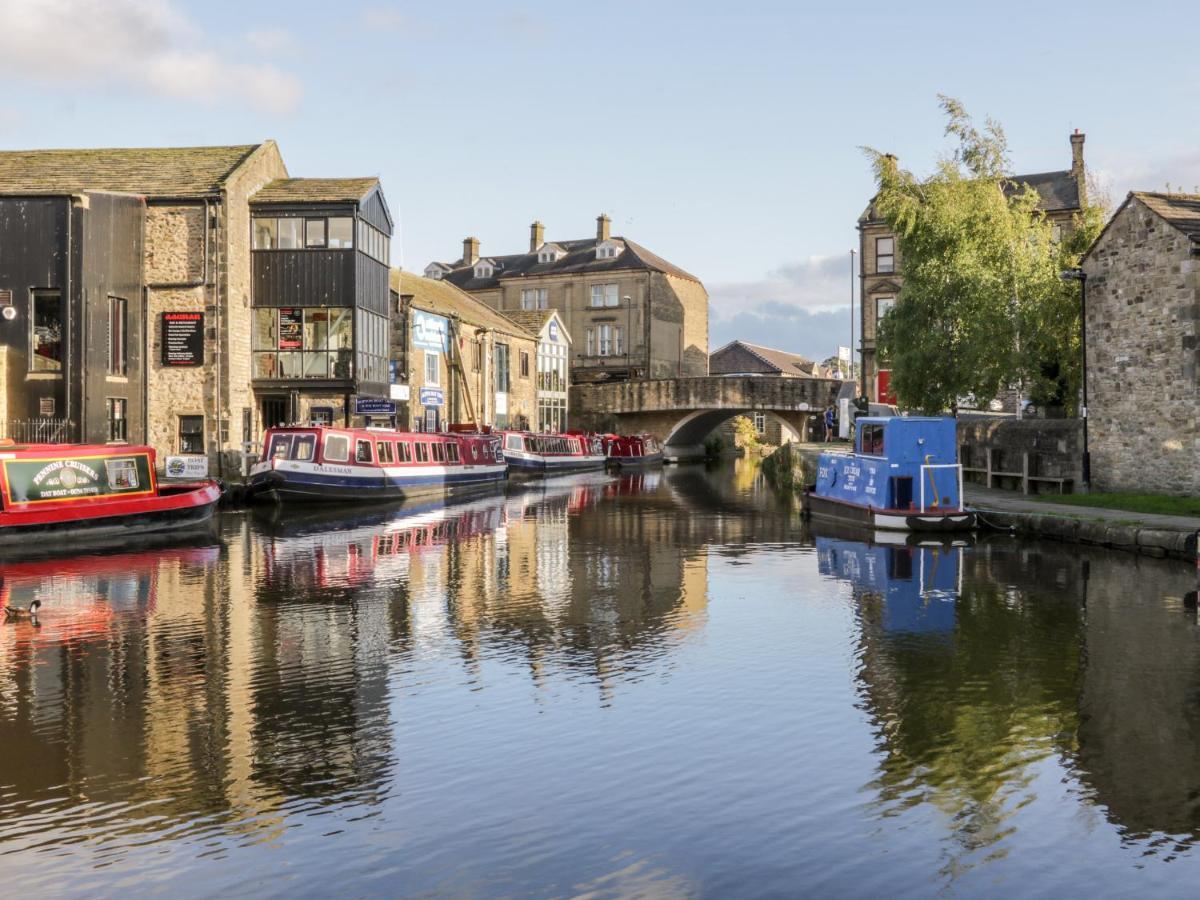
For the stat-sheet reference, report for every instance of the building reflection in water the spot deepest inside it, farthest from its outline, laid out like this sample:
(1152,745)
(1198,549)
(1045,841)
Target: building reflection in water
(230,686)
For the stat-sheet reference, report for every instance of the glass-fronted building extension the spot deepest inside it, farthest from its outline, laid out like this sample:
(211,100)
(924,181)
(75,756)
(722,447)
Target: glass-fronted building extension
(320,249)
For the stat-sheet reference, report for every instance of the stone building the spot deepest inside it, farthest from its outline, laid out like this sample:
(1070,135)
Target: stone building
(1062,195)
(463,361)
(633,315)
(744,358)
(1143,346)
(187,313)
(553,366)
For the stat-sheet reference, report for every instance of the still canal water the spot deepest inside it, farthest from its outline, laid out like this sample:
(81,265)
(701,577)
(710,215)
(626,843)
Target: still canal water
(648,685)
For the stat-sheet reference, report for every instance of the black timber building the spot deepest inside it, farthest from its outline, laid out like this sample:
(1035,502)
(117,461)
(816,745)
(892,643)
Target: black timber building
(320,251)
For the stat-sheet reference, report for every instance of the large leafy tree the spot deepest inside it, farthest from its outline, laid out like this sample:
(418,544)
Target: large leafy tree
(982,305)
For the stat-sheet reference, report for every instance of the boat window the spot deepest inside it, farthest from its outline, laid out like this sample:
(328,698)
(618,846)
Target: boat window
(872,440)
(513,442)
(384,451)
(281,447)
(439,452)
(403,451)
(452,452)
(303,446)
(362,453)
(337,448)
(422,452)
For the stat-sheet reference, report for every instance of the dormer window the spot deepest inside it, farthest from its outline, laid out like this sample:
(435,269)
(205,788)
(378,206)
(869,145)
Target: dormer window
(549,253)
(608,250)
(484,269)
(435,271)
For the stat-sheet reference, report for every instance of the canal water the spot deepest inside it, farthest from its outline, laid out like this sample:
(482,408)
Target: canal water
(650,685)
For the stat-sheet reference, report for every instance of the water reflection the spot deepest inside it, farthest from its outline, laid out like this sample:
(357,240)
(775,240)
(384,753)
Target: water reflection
(624,671)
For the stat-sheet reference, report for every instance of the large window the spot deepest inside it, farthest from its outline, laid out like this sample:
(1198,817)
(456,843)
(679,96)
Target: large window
(294,342)
(883,306)
(314,233)
(116,408)
(374,242)
(604,295)
(605,340)
(118,336)
(552,368)
(524,364)
(310,232)
(341,233)
(535,298)
(191,434)
(291,234)
(433,368)
(500,357)
(885,255)
(46,333)
(373,347)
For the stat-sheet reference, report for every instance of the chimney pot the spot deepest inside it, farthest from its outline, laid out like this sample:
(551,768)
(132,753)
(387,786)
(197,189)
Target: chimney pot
(603,227)
(1077,152)
(470,251)
(537,236)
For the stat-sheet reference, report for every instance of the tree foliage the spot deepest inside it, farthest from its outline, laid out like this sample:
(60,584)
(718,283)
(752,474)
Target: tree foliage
(982,304)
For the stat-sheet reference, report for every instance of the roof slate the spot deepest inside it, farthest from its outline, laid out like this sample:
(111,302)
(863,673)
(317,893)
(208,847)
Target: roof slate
(438,296)
(315,190)
(1057,191)
(579,258)
(1181,211)
(781,360)
(183,172)
(532,320)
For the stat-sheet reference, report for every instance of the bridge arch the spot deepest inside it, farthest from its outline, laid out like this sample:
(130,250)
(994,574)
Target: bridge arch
(697,425)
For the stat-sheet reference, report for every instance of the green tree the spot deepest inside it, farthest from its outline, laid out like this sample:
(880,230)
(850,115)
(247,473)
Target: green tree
(982,305)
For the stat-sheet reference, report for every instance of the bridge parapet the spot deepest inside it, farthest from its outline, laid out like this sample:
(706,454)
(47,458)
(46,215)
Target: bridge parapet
(682,411)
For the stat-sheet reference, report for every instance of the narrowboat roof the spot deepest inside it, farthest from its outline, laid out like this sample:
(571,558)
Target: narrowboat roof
(75,449)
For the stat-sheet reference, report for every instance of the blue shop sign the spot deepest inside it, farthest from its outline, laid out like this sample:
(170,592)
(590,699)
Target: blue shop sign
(374,406)
(430,332)
(553,333)
(432,397)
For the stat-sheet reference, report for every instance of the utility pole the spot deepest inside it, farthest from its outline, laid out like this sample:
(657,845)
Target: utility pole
(850,364)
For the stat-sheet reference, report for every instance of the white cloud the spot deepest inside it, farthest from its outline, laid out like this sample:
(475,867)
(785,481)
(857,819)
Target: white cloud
(145,45)
(271,40)
(817,283)
(1180,168)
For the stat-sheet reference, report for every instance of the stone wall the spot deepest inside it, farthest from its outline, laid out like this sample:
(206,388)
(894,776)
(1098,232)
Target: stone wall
(1142,308)
(1054,448)
(693,301)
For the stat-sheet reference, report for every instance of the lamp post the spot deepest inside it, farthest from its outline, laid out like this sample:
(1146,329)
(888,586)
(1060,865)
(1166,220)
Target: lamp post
(1081,276)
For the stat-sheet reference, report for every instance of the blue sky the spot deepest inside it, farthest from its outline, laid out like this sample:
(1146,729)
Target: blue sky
(722,136)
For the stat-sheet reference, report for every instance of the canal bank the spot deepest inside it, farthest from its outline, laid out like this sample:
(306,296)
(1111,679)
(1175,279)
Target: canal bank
(1173,537)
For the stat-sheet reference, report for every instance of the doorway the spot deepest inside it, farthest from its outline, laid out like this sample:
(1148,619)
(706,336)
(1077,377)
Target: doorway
(274,411)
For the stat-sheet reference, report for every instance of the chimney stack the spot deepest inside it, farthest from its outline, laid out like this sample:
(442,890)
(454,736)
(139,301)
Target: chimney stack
(603,227)
(537,236)
(470,251)
(1077,153)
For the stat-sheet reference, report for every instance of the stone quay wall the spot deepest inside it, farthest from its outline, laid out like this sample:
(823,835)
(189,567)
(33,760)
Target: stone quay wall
(1004,452)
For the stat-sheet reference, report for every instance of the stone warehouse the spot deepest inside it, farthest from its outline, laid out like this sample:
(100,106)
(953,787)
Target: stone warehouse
(463,362)
(172,345)
(1062,195)
(632,314)
(1143,331)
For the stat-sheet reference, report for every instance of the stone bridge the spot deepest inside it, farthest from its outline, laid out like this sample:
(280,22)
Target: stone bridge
(682,412)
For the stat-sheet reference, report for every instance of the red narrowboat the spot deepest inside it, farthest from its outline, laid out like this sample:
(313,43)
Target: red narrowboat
(626,451)
(94,491)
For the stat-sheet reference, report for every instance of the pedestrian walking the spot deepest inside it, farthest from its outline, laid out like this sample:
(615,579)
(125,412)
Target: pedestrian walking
(829,423)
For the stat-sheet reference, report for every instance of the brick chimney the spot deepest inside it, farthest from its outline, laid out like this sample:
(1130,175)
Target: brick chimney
(537,236)
(470,251)
(603,227)
(1077,167)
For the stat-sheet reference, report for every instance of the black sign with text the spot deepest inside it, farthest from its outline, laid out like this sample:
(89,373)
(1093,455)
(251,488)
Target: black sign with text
(183,339)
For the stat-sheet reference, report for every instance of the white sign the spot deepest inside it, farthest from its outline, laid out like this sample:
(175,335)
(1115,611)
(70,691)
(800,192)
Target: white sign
(844,354)
(502,404)
(399,391)
(187,466)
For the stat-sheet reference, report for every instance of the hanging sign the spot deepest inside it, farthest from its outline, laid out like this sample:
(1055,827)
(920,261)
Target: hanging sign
(291,329)
(183,339)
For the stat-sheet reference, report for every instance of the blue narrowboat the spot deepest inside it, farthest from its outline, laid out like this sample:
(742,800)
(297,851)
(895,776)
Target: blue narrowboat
(903,475)
(551,454)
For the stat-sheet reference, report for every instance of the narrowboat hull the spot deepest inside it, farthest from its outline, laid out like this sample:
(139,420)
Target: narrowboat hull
(294,482)
(174,510)
(636,462)
(829,509)
(534,464)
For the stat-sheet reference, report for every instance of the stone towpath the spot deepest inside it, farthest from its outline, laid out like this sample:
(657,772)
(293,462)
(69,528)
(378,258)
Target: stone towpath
(984,499)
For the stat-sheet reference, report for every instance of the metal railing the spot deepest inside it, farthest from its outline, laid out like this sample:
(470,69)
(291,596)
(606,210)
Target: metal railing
(937,499)
(37,431)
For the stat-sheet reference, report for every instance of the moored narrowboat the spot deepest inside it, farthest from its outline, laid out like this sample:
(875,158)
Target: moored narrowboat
(903,475)
(94,492)
(548,454)
(626,451)
(314,463)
